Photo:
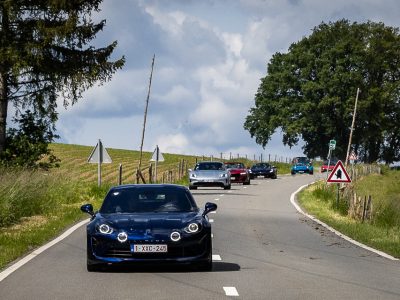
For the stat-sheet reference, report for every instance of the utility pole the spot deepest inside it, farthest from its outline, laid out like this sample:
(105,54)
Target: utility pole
(144,122)
(351,129)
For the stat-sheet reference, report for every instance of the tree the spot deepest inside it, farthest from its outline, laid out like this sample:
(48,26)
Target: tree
(45,55)
(309,92)
(27,146)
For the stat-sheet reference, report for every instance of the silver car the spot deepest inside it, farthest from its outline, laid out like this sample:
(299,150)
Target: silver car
(209,173)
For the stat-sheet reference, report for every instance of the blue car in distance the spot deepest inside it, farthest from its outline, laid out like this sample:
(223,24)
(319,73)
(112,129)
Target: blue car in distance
(302,165)
(149,224)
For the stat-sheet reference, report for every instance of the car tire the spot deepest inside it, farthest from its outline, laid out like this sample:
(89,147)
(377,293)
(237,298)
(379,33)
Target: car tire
(192,187)
(228,187)
(246,182)
(275,176)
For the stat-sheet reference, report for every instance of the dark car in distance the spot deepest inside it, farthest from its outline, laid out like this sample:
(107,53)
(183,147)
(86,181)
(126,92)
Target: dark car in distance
(149,224)
(263,169)
(239,173)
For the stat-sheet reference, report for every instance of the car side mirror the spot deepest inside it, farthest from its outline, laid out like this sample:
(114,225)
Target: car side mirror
(88,208)
(209,207)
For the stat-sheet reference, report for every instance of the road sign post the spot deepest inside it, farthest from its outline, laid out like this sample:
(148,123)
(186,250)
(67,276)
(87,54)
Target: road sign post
(156,157)
(99,155)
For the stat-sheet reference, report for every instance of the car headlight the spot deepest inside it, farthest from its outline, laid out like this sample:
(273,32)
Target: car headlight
(105,229)
(122,237)
(223,175)
(193,175)
(175,236)
(192,228)
(250,171)
(271,171)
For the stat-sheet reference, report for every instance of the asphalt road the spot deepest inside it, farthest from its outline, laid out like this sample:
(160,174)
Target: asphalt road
(267,250)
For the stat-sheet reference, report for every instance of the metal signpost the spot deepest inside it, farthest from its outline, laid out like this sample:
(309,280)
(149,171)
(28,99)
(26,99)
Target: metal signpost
(332,146)
(156,157)
(99,155)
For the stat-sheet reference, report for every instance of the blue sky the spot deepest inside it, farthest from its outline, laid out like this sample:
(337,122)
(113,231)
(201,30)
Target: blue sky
(210,57)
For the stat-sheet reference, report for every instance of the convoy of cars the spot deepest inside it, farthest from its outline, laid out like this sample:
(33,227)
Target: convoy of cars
(161,223)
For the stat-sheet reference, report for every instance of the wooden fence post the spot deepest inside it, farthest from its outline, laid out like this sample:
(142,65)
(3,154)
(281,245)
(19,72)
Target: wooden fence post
(120,174)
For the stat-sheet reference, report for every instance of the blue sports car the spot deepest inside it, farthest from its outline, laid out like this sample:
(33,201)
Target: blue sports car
(302,167)
(154,223)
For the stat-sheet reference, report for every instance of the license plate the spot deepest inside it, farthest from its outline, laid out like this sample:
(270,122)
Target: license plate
(139,248)
(301,171)
(233,178)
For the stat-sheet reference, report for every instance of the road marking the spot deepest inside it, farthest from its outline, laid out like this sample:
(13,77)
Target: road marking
(230,291)
(216,257)
(35,253)
(211,220)
(245,187)
(216,199)
(221,195)
(292,200)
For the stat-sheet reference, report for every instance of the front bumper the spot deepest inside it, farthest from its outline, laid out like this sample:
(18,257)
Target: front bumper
(101,250)
(210,182)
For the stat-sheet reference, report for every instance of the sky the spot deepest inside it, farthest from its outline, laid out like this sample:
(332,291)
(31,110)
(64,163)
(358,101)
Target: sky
(209,58)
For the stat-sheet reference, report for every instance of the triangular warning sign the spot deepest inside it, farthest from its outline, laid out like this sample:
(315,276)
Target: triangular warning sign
(157,155)
(99,155)
(339,174)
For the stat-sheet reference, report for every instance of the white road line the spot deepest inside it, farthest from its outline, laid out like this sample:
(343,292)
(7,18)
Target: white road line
(245,187)
(221,195)
(211,220)
(216,257)
(216,199)
(230,291)
(292,200)
(35,253)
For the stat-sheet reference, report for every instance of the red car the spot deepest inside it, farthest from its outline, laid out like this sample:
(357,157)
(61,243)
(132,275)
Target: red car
(239,173)
(325,167)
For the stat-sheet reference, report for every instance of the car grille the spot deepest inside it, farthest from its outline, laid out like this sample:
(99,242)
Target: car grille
(107,248)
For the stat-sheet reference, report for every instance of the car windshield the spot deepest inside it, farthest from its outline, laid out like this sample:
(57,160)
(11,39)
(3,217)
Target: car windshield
(261,165)
(234,166)
(209,166)
(146,200)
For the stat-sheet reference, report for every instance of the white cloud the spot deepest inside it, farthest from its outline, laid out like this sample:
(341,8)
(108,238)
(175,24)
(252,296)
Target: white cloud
(209,61)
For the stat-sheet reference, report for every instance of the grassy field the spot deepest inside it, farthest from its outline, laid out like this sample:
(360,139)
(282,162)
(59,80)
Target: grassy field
(382,231)
(36,206)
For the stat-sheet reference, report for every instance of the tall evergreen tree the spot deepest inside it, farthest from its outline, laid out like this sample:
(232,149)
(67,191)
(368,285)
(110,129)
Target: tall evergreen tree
(309,92)
(45,53)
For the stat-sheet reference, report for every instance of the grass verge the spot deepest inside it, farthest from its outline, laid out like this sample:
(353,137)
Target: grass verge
(319,200)
(36,207)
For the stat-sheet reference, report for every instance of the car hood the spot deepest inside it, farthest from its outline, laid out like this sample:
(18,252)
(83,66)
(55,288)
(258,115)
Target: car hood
(148,221)
(260,169)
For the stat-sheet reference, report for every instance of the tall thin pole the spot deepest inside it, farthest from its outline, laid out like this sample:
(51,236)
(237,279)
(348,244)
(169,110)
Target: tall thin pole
(351,129)
(145,114)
